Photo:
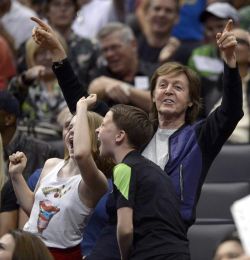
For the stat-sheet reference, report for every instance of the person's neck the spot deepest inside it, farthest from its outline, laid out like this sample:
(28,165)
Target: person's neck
(70,168)
(7,135)
(243,69)
(129,75)
(121,152)
(170,123)
(157,40)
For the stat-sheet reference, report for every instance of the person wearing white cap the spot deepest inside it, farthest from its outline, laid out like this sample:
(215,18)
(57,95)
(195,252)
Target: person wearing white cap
(206,60)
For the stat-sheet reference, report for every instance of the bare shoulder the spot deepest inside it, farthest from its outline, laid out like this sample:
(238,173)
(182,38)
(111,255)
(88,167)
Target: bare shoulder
(49,165)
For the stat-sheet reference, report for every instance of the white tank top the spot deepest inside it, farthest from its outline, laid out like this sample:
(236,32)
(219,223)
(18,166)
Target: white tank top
(58,215)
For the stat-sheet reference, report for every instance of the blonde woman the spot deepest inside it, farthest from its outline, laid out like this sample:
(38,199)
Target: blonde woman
(67,191)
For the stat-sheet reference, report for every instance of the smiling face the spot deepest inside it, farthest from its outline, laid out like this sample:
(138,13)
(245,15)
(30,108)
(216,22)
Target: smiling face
(171,96)
(162,15)
(118,53)
(107,135)
(7,246)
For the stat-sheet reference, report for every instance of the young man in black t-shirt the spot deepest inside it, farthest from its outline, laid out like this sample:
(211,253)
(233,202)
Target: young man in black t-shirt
(149,224)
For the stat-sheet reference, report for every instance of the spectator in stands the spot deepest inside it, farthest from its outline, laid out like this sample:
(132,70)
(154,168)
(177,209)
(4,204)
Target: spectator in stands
(183,147)
(58,211)
(230,248)
(241,134)
(186,155)
(159,18)
(7,64)
(14,18)
(82,53)
(21,245)
(125,79)
(99,218)
(206,59)
(14,140)
(39,94)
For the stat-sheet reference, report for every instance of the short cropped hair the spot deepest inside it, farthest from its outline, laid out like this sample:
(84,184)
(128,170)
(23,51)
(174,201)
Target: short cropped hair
(125,31)
(136,124)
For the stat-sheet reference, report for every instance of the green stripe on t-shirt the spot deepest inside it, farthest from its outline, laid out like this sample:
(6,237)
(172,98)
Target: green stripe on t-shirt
(122,175)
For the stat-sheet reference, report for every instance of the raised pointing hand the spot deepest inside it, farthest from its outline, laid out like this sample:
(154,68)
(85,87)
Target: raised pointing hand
(227,43)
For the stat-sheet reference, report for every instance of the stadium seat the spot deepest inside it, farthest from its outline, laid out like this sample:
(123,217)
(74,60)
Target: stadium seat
(231,165)
(216,199)
(205,237)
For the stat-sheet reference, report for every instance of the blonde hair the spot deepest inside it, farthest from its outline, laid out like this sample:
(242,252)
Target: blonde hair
(31,49)
(104,164)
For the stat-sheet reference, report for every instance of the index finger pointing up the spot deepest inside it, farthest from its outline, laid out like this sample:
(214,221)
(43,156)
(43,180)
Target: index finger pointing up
(229,26)
(40,22)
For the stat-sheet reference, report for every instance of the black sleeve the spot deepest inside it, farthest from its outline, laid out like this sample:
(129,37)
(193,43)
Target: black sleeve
(72,89)
(8,198)
(221,123)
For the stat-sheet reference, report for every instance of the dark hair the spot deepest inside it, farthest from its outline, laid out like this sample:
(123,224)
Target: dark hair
(194,89)
(29,247)
(135,122)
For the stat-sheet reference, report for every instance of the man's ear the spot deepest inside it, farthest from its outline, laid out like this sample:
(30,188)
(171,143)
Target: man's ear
(120,136)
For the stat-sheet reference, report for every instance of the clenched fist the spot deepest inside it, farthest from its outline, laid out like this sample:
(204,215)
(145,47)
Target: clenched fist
(17,164)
